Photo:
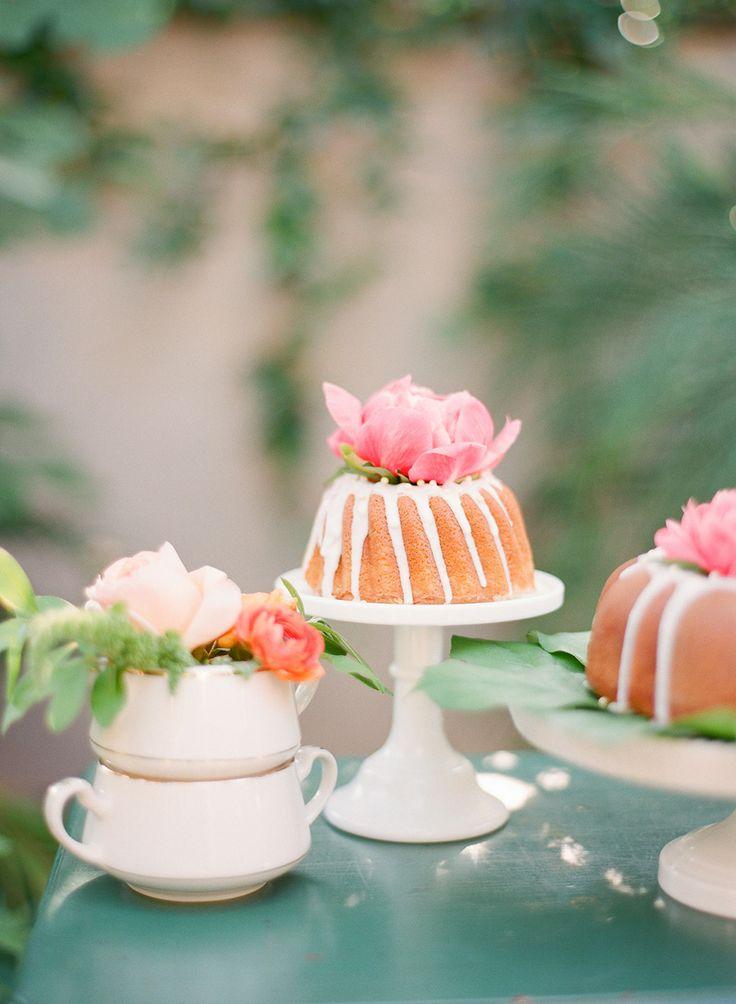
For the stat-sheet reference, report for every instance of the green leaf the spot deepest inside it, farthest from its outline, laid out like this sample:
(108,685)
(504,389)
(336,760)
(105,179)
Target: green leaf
(174,675)
(292,591)
(574,643)
(108,695)
(356,668)
(12,632)
(28,691)
(68,693)
(605,726)
(46,603)
(111,26)
(335,643)
(16,592)
(716,723)
(14,928)
(13,655)
(357,465)
(513,679)
(246,667)
(507,653)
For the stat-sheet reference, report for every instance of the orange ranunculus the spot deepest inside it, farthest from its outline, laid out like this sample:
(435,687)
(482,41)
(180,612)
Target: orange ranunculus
(273,599)
(281,640)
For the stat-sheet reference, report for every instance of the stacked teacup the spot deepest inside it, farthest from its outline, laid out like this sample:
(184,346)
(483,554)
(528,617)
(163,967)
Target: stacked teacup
(197,794)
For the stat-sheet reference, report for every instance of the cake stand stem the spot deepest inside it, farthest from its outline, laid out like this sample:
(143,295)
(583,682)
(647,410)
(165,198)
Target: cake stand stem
(416,788)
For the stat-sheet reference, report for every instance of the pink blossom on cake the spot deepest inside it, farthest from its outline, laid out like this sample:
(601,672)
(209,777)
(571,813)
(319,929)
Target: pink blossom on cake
(412,431)
(160,595)
(705,536)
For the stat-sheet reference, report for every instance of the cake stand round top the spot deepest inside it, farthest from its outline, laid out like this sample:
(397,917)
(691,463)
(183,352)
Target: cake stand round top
(548,596)
(692,766)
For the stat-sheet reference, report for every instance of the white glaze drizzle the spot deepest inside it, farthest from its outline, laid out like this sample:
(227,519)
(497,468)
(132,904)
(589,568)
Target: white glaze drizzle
(424,511)
(358,533)
(393,520)
(689,586)
(685,595)
(657,582)
(456,506)
(327,532)
(478,498)
(490,487)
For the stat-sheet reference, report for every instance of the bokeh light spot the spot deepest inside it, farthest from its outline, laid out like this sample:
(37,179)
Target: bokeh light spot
(637,30)
(642,9)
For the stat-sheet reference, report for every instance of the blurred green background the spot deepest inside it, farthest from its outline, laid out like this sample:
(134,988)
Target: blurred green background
(595,295)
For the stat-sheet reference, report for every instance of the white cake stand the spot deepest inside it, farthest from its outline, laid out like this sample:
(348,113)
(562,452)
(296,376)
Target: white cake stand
(417,788)
(698,869)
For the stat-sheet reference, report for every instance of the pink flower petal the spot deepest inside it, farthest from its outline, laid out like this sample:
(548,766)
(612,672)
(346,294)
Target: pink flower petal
(344,407)
(469,420)
(393,438)
(220,601)
(336,440)
(448,463)
(705,536)
(502,443)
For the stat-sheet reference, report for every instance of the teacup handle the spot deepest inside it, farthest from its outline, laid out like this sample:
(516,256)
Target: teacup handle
(304,693)
(304,761)
(55,802)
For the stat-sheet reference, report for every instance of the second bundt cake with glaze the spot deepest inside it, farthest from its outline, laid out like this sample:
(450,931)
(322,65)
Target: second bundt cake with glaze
(663,641)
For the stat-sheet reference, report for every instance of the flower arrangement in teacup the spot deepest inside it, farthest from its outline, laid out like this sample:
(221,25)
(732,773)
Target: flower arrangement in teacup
(150,626)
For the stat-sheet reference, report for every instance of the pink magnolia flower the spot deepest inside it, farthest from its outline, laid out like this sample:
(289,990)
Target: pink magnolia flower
(412,431)
(705,536)
(280,639)
(161,595)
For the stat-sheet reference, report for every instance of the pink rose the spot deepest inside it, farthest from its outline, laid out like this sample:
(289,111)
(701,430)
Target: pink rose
(161,595)
(706,535)
(410,430)
(280,639)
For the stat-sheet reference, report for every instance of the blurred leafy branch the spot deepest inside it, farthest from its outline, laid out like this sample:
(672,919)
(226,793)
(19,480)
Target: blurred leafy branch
(26,853)
(590,268)
(35,481)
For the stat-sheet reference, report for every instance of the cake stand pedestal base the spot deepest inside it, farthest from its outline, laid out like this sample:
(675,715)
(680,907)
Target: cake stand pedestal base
(417,789)
(699,869)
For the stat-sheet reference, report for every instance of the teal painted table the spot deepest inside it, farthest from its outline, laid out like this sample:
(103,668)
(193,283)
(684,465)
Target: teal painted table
(561,903)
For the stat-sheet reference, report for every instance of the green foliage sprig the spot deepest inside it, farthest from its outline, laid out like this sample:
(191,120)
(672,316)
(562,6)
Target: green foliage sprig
(54,651)
(546,675)
(356,465)
(339,653)
(68,648)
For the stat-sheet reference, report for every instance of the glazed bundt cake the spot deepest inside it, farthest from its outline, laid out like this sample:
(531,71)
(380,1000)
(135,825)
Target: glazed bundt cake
(417,516)
(663,641)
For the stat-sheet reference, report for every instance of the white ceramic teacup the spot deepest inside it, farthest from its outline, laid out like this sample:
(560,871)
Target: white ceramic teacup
(193,841)
(217,724)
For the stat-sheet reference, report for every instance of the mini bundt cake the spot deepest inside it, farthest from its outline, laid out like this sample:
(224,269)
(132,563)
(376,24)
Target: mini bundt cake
(663,641)
(416,516)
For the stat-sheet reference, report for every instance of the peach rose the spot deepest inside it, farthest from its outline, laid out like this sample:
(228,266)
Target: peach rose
(273,599)
(161,595)
(280,639)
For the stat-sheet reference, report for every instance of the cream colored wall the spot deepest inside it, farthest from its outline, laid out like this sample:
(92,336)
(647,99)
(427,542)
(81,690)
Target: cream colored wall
(140,370)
